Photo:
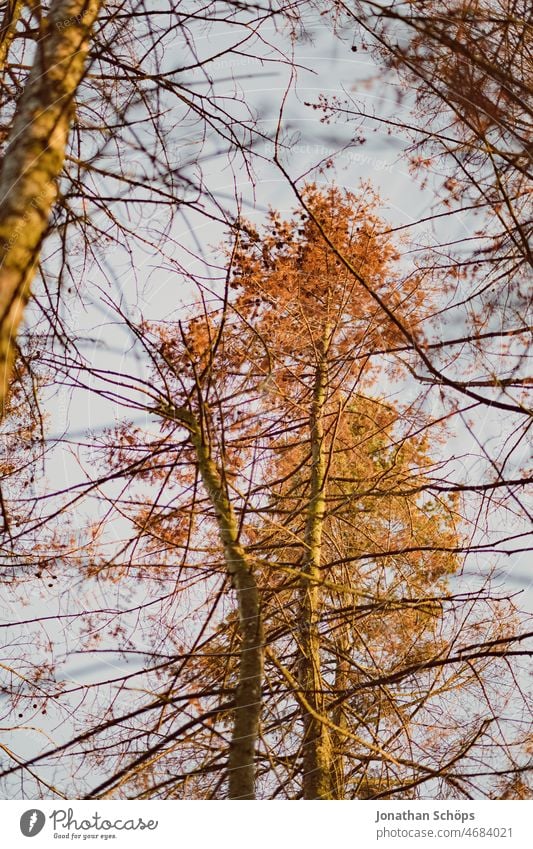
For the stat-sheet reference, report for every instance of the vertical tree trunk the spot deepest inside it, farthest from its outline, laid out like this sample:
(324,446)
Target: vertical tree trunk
(34,158)
(316,746)
(241,761)
(10,19)
(339,720)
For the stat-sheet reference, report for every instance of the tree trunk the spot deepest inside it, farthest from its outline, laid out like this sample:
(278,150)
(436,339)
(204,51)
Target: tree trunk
(316,746)
(10,19)
(339,720)
(34,158)
(241,761)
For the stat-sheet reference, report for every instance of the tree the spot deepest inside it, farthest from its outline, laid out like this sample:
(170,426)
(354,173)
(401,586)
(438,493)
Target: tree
(311,490)
(314,322)
(317,326)
(34,157)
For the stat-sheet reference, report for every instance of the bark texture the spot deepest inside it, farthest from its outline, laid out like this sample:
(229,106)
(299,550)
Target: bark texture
(34,158)
(10,19)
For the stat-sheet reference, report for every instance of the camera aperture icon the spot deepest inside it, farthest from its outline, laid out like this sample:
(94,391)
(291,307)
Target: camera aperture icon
(32,822)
